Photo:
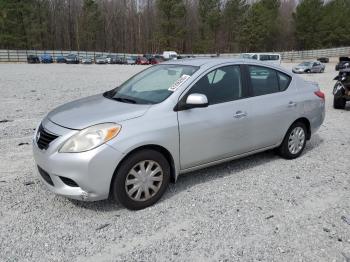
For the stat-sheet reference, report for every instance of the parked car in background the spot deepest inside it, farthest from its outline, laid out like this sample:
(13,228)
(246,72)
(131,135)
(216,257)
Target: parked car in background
(86,60)
(101,59)
(121,60)
(112,59)
(140,60)
(72,59)
(323,59)
(155,60)
(169,55)
(272,58)
(60,59)
(173,118)
(344,62)
(46,59)
(33,59)
(309,67)
(130,60)
(148,56)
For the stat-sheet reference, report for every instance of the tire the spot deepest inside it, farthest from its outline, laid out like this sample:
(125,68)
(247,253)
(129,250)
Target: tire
(125,194)
(339,102)
(285,150)
(308,71)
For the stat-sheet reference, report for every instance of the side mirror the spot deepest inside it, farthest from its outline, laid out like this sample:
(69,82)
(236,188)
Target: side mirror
(196,100)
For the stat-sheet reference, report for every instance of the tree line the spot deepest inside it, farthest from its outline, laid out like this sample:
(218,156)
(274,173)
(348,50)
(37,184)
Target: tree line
(187,26)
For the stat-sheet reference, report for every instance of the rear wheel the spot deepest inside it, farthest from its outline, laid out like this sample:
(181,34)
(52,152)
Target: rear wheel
(141,179)
(339,102)
(294,141)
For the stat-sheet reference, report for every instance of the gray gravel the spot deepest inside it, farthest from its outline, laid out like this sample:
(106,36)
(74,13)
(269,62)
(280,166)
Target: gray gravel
(261,208)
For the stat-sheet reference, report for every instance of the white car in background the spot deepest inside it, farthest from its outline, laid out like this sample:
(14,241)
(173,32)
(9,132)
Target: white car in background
(170,55)
(272,58)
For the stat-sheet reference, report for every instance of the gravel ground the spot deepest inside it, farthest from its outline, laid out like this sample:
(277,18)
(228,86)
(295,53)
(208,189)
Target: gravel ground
(261,208)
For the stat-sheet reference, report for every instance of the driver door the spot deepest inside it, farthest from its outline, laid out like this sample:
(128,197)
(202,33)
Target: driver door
(220,130)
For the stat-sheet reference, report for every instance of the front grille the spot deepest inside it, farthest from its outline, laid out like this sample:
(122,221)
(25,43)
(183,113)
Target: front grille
(45,176)
(69,182)
(44,138)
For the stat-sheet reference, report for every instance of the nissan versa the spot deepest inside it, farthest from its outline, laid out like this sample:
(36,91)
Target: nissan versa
(130,142)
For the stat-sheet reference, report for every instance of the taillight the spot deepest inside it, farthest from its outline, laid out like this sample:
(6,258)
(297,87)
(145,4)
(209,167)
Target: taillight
(320,94)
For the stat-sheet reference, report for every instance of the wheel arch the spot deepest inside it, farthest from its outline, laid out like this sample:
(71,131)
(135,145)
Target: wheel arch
(165,152)
(306,122)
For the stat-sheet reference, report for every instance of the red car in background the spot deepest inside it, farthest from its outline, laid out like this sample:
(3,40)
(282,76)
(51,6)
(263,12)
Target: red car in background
(155,60)
(142,61)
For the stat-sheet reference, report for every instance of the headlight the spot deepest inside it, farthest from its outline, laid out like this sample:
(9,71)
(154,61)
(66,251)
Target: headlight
(90,138)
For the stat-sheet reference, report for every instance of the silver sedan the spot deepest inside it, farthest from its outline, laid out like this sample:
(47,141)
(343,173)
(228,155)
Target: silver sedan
(309,67)
(130,142)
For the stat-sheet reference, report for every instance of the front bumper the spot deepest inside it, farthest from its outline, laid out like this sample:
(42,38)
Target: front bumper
(92,171)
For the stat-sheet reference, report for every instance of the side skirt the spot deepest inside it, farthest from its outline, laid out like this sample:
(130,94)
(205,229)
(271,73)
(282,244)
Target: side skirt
(226,159)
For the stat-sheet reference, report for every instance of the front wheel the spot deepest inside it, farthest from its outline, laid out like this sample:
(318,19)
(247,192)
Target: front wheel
(294,141)
(141,179)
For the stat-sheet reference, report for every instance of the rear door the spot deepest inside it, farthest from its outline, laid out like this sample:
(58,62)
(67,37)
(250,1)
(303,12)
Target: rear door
(316,67)
(272,107)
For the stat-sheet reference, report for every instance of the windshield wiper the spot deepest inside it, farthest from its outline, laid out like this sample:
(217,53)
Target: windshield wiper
(124,100)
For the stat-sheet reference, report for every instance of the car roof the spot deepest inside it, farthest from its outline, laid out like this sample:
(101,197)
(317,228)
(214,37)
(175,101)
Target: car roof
(212,61)
(209,62)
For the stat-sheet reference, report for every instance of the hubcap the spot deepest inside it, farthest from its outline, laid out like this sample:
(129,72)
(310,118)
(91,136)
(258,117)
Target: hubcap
(144,180)
(296,140)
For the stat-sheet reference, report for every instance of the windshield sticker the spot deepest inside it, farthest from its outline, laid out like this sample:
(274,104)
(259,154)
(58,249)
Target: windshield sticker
(179,82)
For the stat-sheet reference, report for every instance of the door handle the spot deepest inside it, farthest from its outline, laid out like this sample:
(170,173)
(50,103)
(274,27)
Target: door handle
(292,104)
(240,114)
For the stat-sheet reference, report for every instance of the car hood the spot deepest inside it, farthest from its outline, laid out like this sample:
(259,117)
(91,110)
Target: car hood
(94,110)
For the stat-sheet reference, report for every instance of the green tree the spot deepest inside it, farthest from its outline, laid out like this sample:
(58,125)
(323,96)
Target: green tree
(307,19)
(260,30)
(90,25)
(172,29)
(210,18)
(234,13)
(12,30)
(335,29)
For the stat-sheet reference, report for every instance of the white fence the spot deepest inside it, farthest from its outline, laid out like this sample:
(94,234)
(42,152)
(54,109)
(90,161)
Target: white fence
(21,55)
(297,55)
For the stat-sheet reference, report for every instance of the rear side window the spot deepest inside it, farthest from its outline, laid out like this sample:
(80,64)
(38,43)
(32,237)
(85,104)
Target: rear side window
(263,80)
(269,57)
(284,81)
(267,80)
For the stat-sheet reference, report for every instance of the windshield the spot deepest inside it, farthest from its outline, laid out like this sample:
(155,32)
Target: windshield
(152,85)
(305,64)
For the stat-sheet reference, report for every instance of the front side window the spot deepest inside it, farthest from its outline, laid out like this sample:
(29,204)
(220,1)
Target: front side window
(220,85)
(151,86)
(267,80)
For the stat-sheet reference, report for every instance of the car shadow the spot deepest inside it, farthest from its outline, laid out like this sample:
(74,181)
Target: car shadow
(206,175)
(108,205)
